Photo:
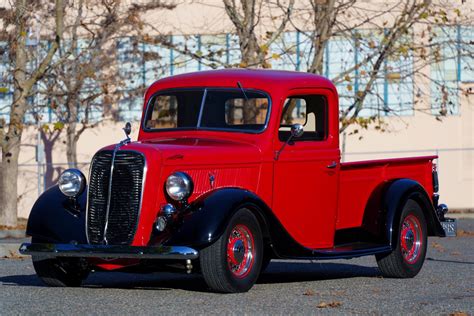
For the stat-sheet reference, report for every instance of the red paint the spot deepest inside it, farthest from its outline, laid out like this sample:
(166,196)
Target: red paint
(311,200)
(358,181)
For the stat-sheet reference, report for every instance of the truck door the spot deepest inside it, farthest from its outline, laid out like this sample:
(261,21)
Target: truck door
(306,173)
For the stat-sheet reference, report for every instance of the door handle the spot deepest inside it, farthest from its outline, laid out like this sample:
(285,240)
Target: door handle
(332,165)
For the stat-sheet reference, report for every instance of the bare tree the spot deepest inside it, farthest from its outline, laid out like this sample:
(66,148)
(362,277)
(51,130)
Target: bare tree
(246,15)
(23,82)
(90,75)
(379,36)
(411,13)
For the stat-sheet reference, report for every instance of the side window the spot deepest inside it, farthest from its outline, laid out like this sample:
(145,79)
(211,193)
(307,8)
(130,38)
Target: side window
(308,110)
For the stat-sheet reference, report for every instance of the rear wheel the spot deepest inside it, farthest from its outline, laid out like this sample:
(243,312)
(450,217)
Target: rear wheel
(406,260)
(267,257)
(60,272)
(232,264)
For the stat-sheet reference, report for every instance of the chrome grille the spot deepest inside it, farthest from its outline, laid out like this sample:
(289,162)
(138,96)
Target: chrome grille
(126,191)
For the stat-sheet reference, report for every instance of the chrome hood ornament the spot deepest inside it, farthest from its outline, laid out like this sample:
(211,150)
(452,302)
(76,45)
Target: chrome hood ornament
(128,130)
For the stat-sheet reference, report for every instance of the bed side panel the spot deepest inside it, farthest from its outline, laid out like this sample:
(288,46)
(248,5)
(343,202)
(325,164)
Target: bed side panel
(361,186)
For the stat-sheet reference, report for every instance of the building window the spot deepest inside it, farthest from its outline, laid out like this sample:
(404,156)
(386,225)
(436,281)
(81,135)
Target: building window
(445,72)
(466,54)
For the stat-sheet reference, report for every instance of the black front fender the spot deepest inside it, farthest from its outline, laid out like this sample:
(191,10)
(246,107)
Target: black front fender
(58,219)
(207,217)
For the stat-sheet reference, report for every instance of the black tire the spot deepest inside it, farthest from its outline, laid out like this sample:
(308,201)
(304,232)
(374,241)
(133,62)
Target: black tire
(60,272)
(267,258)
(219,270)
(406,260)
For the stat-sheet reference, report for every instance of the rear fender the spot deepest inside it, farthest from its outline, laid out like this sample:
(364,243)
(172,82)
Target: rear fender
(398,192)
(58,219)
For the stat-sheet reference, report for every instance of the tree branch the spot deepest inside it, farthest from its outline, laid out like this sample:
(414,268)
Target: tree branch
(45,63)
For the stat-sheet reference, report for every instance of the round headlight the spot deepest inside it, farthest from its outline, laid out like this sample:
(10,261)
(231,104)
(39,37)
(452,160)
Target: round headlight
(72,182)
(179,186)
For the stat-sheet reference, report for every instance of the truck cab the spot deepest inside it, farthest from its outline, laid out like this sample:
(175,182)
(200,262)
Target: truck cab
(233,168)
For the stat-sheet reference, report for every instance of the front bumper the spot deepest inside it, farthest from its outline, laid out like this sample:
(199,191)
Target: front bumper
(108,251)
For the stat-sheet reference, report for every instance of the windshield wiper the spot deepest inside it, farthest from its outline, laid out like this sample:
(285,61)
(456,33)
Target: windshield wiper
(243,91)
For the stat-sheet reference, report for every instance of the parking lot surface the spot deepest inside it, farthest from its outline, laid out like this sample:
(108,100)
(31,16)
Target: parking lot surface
(444,286)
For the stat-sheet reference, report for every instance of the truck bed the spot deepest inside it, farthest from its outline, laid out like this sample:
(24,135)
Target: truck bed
(362,182)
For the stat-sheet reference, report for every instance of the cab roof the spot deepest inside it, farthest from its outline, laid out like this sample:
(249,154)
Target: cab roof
(260,79)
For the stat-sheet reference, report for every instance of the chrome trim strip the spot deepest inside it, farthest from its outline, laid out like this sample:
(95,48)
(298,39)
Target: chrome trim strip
(201,109)
(109,193)
(106,251)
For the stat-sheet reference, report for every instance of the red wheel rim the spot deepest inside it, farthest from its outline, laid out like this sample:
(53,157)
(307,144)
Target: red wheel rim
(240,251)
(411,239)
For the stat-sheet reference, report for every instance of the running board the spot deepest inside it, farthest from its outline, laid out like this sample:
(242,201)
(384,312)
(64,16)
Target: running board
(346,251)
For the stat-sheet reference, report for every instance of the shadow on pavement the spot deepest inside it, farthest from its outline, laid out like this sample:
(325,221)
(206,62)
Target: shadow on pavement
(449,261)
(277,272)
(283,272)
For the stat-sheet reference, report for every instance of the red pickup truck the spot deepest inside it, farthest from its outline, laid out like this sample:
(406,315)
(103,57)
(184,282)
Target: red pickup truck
(233,168)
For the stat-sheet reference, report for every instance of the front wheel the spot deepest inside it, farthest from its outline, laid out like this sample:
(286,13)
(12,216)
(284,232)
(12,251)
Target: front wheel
(232,264)
(60,272)
(406,260)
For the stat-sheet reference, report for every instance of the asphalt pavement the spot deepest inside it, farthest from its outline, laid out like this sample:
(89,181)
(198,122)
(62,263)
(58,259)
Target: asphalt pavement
(444,286)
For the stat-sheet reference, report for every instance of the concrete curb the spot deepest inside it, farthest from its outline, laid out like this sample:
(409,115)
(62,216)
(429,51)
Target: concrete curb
(460,215)
(12,234)
(10,250)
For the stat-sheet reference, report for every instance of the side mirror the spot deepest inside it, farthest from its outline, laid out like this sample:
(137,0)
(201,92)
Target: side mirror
(297,130)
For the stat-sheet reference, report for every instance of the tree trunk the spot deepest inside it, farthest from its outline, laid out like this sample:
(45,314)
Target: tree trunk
(324,17)
(253,57)
(12,139)
(9,187)
(22,84)
(71,150)
(49,140)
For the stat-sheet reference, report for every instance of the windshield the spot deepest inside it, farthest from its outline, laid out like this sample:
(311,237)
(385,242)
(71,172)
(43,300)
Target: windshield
(221,109)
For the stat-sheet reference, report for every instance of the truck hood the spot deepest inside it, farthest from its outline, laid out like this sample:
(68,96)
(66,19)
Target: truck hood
(198,151)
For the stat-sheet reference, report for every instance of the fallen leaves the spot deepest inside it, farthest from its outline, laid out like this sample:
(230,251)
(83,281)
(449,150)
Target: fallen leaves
(333,304)
(13,255)
(309,293)
(437,246)
(465,233)
(458,313)
(20,226)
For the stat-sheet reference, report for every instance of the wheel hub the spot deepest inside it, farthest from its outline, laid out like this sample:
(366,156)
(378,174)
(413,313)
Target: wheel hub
(411,239)
(240,251)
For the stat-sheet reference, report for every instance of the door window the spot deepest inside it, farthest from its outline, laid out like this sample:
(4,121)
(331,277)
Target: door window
(308,110)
